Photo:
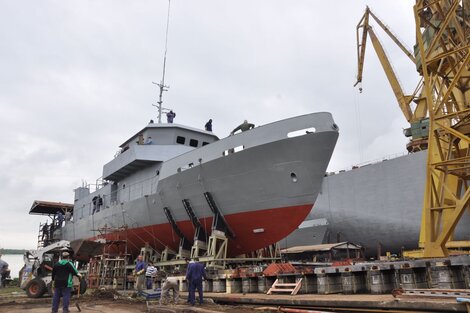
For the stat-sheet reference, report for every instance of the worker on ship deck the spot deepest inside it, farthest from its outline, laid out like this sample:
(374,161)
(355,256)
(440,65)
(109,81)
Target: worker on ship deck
(148,141)
(208,126)
(140,140)
(170,116)
(243,127)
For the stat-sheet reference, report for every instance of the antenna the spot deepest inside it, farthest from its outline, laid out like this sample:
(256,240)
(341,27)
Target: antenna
(162,85)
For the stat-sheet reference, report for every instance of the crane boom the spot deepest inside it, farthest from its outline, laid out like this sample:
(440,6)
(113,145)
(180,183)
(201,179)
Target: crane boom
(443,61)
(412,106)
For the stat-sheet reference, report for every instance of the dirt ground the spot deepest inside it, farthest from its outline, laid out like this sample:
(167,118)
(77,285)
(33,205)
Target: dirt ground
(93,305)
(116,308)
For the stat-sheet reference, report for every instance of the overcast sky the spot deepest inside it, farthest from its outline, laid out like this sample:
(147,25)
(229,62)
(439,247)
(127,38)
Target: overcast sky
(76,81)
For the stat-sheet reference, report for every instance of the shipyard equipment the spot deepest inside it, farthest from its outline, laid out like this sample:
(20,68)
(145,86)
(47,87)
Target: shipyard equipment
(36,274)
(413,106)
(441,56)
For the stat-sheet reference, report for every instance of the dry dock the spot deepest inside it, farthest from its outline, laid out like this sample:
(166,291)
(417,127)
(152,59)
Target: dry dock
(342,303)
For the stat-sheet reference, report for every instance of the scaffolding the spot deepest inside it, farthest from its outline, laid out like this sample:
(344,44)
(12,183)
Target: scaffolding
(109,269)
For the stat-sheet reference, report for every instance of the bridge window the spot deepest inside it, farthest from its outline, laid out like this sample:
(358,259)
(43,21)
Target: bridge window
(180,140)
(204,143)
(193,142)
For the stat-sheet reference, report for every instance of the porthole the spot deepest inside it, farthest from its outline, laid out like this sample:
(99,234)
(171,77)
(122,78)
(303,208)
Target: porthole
(293,176)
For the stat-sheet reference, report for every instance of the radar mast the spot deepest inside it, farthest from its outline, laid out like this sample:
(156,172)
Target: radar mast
(161,85)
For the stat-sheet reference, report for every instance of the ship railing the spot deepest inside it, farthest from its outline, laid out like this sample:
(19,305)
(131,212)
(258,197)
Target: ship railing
(99,183)
(367,163)
(124,193)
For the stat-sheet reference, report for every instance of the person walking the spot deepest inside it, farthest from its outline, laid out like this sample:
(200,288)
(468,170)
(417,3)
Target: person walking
(139,272)
(171,283)
(62,282)
(150,275)
(194,275)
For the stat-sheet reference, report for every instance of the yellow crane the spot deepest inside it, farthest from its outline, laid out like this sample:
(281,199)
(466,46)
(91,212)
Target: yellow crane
(443,46)
(413,106)
(441,56)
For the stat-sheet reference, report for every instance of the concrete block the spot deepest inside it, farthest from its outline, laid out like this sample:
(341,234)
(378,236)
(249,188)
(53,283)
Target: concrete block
(219,285)
(329,283)
(249,285)
(233,285)
(381,281)
(354,282)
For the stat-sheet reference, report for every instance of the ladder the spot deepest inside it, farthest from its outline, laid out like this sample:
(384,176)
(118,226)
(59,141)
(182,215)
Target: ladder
(291,288)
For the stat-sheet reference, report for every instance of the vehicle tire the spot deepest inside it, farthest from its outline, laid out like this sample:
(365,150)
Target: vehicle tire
(36,288)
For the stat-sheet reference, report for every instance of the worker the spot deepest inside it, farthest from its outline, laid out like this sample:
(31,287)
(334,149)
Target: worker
(170,116)
(139,273)
(243,127)
(4,272)
(148,141)
(62,283)
(140,141)
(60,219)
(194,275)
(68,216)
(208,126)
(45,234)
(170,283)
(95,204)
(150,274)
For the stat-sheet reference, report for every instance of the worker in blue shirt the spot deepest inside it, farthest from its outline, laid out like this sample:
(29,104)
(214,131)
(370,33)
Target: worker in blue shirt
(194,275)
(139,273)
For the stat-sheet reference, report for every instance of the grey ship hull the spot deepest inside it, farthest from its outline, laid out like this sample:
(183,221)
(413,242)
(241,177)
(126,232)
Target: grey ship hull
(264,191)
(375,204)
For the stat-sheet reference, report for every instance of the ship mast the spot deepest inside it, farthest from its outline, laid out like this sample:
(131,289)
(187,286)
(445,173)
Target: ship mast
(162,85)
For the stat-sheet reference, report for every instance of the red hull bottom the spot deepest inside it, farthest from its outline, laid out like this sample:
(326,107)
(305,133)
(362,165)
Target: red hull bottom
(253,230)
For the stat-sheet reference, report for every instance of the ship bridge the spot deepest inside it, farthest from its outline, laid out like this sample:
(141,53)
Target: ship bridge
(154,143)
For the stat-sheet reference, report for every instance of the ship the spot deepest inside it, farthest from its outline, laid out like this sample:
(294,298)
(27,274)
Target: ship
(255,187)
(377,205)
